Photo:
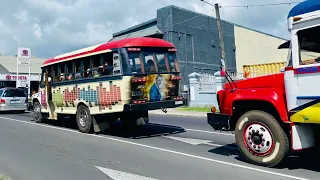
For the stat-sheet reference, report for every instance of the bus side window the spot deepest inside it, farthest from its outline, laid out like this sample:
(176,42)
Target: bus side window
(106,68)
(86,67)
(77,68)
(69,71)
(54,74)
(96,62)
(62,76)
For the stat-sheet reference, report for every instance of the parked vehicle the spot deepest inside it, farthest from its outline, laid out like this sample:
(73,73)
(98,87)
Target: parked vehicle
(13,99)
(275,114)
(119,79)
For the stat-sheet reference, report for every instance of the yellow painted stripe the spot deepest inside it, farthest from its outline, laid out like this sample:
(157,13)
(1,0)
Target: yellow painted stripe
(310,114)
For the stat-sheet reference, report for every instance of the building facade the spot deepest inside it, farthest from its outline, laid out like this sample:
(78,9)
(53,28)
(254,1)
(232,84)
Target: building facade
(197,40)
(8,72)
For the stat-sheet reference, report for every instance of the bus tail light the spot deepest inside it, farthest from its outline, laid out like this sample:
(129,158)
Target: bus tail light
(139,79)
(176,78)
(178,98)
(139,101)
(2,101)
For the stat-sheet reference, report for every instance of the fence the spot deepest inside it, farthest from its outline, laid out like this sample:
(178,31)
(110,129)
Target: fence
(203,88)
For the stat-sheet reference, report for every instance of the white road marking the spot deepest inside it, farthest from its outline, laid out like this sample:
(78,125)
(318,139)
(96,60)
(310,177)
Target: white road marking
(195,130)
(188,140)
(198,142)
(119,175)
(165,150)
(210,132)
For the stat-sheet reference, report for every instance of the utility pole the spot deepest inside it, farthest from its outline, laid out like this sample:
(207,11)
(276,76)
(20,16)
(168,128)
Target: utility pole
(221,41)
(223,54)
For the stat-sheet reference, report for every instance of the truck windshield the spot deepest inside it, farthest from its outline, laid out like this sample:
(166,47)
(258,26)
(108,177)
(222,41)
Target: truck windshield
(152,60)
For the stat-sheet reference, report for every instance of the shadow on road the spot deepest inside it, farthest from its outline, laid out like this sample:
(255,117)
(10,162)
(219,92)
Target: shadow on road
(118,130)
(308,160)
(227,150)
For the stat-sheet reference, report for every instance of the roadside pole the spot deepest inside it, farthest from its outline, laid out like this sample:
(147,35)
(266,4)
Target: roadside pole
(223,54)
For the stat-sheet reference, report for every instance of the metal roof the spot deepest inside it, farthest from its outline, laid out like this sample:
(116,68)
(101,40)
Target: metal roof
(304,7)
(8,64)
(152,30)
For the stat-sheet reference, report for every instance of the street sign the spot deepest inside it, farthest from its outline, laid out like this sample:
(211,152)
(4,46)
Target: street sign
(24,63)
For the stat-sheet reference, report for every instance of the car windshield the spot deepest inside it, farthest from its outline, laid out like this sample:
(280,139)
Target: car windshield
(152,60)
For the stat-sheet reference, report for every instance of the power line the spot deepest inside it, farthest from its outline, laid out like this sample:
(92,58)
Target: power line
(262,5)
(200,14)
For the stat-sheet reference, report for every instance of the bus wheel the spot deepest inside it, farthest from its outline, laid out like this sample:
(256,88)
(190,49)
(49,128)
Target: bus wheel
(38,118)
(84,119)
(261,139)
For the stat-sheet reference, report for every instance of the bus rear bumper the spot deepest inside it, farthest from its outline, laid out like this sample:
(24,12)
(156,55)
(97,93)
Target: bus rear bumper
(153,105)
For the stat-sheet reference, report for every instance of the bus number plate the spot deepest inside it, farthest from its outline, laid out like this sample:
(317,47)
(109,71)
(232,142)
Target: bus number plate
(178,102)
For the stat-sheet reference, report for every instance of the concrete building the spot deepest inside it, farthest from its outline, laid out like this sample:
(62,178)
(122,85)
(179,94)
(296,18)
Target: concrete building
(8,72)
(199,50)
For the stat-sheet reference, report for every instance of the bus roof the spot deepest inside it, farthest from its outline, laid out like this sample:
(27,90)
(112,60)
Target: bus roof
(106,47)
(304,7)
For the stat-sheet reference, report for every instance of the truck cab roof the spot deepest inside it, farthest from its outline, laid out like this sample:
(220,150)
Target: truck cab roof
(304,7)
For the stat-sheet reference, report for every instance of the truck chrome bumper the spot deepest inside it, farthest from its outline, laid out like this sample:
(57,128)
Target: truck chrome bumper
(219,121)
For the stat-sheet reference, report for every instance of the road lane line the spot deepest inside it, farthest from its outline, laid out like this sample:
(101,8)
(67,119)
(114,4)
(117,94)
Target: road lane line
(210,132)
(165,150)
(196,130)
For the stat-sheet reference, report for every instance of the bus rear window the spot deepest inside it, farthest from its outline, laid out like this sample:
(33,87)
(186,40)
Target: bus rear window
(134,62)
(153,61)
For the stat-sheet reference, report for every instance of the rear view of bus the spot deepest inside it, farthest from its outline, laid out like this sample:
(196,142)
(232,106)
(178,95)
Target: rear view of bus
(153,70)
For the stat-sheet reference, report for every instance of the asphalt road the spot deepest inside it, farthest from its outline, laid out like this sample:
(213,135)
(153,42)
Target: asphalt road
(169,148)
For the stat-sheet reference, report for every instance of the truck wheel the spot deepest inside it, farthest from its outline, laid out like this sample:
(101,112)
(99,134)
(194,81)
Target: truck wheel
(38,118)
(261,139)
(84,119)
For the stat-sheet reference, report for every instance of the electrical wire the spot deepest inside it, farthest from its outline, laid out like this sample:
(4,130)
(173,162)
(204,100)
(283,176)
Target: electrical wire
(261,5)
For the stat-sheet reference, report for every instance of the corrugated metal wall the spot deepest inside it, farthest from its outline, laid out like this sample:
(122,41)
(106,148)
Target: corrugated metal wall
(262,69)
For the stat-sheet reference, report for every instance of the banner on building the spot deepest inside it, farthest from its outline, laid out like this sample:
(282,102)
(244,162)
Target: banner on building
(24,52)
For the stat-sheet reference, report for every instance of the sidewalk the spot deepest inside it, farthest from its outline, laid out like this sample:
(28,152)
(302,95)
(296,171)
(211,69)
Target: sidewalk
(175,112)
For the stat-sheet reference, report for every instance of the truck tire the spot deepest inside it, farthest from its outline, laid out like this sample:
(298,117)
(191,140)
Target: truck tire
(38,117)
(261,139)
(84,119)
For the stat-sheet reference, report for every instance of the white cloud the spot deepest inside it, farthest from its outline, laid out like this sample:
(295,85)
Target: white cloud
(51,27)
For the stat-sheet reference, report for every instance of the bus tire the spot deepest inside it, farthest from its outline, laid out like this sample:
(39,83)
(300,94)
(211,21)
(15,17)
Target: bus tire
(84,119)
(261,139)
(38,117)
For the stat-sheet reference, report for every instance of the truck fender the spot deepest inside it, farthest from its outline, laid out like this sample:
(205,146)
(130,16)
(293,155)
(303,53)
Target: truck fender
(270,95)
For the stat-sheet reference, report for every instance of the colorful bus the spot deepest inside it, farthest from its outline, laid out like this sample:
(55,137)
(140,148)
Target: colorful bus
(100,84)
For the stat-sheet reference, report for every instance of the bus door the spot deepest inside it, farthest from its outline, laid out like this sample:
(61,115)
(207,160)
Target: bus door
(49,79)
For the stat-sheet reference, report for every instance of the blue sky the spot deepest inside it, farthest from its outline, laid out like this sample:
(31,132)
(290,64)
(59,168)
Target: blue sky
(53,27)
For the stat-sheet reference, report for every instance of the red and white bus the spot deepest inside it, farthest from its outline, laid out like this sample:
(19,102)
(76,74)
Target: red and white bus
(99,84)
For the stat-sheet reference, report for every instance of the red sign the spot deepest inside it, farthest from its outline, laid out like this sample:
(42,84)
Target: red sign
(25,52)
(10,77)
